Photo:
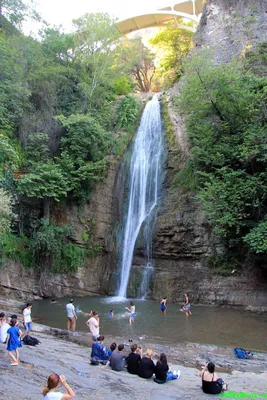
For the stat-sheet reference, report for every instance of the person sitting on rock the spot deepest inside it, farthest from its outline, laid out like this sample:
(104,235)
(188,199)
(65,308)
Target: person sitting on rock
(53,382)
(112,347)
(133,360)
(162,370)
(211,383)
(146,367)
(117,359)
(99,352)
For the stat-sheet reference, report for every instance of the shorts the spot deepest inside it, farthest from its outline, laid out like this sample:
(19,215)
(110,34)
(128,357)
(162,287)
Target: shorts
(187,307)
(28,326)
(162,307)
(132,315)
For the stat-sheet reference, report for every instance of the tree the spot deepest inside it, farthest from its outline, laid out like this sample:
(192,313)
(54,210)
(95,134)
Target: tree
(47,182)
(136,59)
(172,45)
(17,10)
(95,40)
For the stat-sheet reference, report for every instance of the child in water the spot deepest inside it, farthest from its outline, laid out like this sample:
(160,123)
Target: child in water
(131,311)
(111,314)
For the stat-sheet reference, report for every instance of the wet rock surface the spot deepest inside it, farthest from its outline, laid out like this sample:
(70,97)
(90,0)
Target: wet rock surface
(72,360)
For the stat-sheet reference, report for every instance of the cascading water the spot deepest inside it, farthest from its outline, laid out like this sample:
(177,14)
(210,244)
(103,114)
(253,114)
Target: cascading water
(145,174)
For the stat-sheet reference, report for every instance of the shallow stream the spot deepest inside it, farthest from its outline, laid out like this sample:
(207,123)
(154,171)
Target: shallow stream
(207,325)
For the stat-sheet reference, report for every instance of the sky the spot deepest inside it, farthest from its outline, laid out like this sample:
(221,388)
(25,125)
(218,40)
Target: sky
(62,12)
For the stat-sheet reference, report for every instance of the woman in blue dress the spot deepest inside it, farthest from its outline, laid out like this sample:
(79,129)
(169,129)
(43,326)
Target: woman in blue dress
(13,341)
(163,306)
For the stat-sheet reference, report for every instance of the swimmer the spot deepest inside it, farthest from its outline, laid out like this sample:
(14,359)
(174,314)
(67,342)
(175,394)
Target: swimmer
(111,314)
(163,306)
(131,310)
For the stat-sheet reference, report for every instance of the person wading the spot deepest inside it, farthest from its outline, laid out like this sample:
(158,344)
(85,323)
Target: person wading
(72,317)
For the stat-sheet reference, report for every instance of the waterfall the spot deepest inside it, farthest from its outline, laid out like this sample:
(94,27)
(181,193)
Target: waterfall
(144,188)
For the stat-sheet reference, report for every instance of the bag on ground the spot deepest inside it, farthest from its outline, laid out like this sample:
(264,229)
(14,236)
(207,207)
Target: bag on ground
(30,341)
(242,353)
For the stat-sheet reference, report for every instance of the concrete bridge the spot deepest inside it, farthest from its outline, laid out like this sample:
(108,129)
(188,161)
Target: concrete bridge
(175,14)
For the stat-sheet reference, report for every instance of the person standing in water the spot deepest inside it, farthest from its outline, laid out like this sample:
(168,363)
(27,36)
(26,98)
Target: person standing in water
(163,306)
(131,311)
(72,317)
(187,305)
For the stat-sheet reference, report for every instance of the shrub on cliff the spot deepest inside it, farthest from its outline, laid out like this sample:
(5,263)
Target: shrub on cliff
(225,110)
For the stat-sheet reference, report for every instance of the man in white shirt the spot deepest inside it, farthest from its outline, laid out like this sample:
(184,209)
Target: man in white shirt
(3,330)
(93,325)
(71,314)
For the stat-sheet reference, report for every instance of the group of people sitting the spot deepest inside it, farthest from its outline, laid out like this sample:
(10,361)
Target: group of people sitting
(135,362)
(144,366)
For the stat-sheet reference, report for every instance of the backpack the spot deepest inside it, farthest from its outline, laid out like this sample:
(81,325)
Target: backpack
(242,353)
(30,341)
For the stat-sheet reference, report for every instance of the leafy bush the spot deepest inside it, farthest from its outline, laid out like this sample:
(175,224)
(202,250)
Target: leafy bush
(128,113)
(257,238)
(225,111)
(85,139)
(51,248)
(123,85)
(16,248)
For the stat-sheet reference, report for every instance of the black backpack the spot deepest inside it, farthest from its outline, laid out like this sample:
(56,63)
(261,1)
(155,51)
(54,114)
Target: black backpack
(30,341)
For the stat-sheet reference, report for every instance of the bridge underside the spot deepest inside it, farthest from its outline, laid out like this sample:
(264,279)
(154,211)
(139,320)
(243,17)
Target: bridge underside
(172,15)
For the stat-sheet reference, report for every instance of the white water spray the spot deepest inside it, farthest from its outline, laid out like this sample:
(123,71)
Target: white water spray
(144,183)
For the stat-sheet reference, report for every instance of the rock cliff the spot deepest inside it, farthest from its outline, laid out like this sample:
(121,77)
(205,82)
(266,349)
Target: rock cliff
(182,236)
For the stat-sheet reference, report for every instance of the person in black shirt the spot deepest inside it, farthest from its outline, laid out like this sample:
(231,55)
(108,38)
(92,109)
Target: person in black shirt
(162,370)
(146,366)
(133,360)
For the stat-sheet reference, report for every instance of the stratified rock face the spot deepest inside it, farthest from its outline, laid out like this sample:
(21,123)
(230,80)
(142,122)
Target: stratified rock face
(97,219)
(229,27)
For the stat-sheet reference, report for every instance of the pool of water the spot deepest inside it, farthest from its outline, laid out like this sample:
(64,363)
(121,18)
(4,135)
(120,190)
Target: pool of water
(207,325)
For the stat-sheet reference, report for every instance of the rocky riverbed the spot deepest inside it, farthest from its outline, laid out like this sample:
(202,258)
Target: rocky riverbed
(69,355)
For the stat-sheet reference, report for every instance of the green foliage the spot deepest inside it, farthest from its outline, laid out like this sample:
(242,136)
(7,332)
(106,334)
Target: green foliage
(16,248)
(51,248)
(223,265)
(85,139)
(225,110)
(127,113)
(172,44)
(38,147)
(257,238)
(17,10)
(123,85)
(46,180)
(6,213)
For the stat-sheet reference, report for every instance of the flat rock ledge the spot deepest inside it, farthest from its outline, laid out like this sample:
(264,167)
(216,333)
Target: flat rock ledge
(69,355)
